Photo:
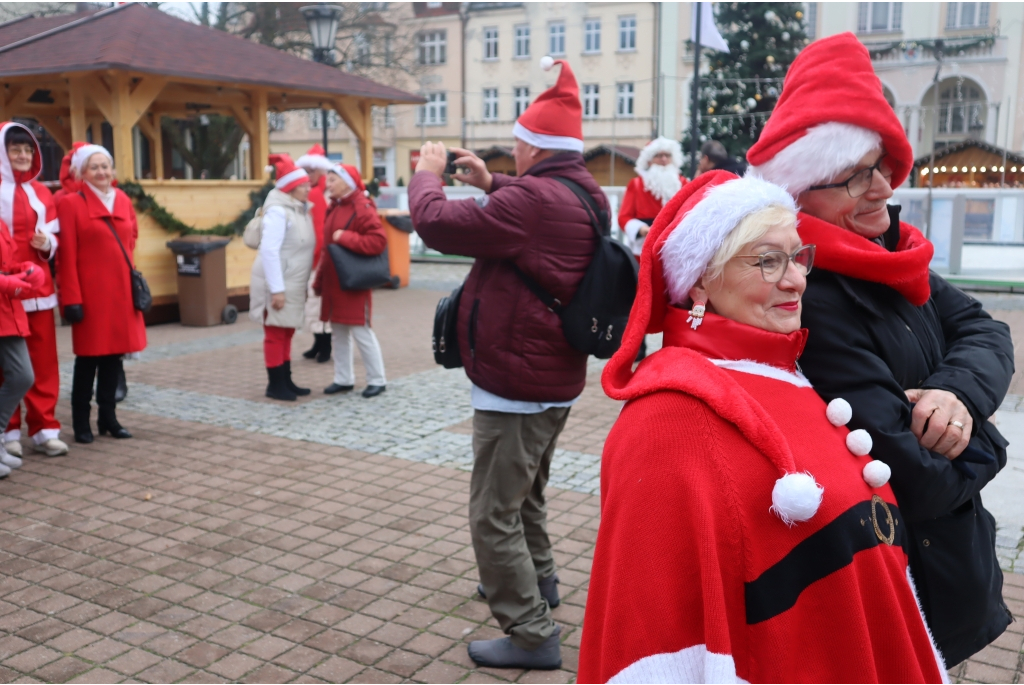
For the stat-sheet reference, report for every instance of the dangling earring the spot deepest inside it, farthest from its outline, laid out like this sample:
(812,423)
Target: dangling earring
(696,315)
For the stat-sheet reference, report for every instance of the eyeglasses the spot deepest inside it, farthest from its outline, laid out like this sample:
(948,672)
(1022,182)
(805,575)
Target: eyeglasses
(775,263)
(859,183)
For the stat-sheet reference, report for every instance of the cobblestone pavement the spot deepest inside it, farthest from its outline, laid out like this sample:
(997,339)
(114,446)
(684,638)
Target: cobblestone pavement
(238,539)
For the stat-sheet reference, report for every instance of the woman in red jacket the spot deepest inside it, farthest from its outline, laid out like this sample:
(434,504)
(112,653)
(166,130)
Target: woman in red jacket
(352,222)
(95,288)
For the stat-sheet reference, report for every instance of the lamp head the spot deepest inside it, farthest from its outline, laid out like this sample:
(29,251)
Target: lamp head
(323,24)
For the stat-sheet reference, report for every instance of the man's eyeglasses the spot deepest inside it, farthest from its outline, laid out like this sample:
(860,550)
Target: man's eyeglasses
(775,263)
(859,183)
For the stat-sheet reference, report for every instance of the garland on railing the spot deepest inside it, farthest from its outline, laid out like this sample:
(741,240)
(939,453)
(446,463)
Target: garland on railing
(146,203)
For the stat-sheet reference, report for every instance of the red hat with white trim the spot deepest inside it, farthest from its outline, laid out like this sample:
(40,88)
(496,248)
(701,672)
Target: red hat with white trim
(289,177)
(554,121)
(315,158)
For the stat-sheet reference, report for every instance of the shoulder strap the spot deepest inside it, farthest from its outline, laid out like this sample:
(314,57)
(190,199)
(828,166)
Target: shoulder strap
(116,237)
(549,300)
(598,217)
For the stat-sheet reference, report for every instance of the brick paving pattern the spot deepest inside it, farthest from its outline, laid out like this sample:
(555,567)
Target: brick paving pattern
(238,539)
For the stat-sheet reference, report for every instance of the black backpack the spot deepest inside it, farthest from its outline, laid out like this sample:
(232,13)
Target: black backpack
(596,318)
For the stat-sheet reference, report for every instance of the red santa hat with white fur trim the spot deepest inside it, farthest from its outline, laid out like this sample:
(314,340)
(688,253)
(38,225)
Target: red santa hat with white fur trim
(288,176)
(554,121)
(831,113)
(315,158)
(657,146)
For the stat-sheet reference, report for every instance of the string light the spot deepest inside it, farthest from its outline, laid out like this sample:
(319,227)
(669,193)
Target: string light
(924,172)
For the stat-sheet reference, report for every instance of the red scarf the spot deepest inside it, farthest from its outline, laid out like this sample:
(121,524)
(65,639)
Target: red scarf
(846,253)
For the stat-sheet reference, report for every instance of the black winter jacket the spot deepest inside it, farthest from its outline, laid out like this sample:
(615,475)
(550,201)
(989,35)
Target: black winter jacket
(868,344)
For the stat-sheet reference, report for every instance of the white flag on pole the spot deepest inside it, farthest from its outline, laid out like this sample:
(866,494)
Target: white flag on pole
(709,35)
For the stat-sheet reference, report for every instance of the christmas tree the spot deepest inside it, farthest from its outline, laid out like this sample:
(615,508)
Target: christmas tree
(741,87)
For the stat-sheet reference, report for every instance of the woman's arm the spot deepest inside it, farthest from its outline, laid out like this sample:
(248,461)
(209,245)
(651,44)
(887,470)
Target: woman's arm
(67,259)
(275,223)
(366,235)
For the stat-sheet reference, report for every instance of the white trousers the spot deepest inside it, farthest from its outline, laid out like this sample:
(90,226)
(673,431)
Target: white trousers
(369,350)
(312,310)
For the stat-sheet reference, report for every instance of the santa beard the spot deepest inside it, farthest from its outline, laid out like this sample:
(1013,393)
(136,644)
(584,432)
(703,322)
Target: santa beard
(661,181)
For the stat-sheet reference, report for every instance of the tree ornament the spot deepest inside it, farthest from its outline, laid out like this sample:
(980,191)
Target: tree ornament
(744,44)
(785,35)
(757,96)
(769,15)
(751,103)
(799,14)
(711,110)
(770,59)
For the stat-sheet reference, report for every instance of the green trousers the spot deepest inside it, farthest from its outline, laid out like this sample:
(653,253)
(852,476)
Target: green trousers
(508,517)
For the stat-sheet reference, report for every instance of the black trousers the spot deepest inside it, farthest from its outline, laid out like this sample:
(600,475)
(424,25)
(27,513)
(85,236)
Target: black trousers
(104,372)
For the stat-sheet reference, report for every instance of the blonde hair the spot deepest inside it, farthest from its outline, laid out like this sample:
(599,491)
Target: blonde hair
(752,228)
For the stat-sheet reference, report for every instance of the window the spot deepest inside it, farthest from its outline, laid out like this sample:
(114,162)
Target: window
(962,15)
(490,104)
(435,112)
(961,109)
(275,121)
(592,36)
(811,23)
(591,100)
(556,38)
(315,119)
(522,41)
(627,33)
(491,42)
(879,16)
(362,49)
(521,99)
(433,47)
(624,108)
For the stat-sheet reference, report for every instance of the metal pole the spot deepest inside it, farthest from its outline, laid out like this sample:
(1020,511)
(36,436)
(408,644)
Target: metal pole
(695,97)
(319,56)
(939,44)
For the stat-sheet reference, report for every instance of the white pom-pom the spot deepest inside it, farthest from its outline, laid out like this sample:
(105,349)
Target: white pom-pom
(546,62)
(839,412)
(859,442)
(876,473)
(269,169)
(796,497)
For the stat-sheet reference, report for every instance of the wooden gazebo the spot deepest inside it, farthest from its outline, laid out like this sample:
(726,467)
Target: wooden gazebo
(130,65)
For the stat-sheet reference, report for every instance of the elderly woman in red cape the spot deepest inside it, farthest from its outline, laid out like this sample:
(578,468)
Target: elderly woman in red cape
(922,364)
(746,534)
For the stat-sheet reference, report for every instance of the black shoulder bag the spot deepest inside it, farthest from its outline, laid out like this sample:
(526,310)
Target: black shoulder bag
(141,297)
(444,340)
(357,271)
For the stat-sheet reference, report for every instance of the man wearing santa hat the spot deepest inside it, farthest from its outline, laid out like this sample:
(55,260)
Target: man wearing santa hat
(317,165)
(525,374)
(657,181)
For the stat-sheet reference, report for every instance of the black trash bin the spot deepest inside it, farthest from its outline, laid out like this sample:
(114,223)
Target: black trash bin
(203,280)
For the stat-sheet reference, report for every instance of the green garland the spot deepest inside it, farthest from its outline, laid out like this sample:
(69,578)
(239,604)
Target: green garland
(146,203)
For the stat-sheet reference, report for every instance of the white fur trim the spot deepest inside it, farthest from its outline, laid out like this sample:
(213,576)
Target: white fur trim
(83,154)
(46,434)
(759,369)
(546,62)
(12,436)
(935,650)
(546,142)
(342,173)
(290,178)
(796,497)
(859,442)
(691,665)
(876,473)
(314,162)
(692,244)
(818,157)
(40,304)
(662,144)
(7,184)
(839,412)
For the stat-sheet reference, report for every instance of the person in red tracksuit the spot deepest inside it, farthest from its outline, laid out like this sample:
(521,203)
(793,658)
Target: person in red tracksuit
(27,208)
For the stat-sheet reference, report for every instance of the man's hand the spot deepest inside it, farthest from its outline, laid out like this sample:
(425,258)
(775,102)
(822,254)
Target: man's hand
(949,424)
(476,174)
(277,300)
(40,241)
(643,231)
(433,157)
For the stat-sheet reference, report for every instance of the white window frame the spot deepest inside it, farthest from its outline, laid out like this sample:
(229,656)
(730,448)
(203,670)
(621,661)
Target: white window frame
(520,100)
(955,15)
(276,121)
(556,38)
(332,119)
(867,12)
(591,100)
(625,100)
(490,43)
(433,47)
(363,49)
(591,36)
(490,101)
(522,41)
(435,111)
(627,33)
(811,16)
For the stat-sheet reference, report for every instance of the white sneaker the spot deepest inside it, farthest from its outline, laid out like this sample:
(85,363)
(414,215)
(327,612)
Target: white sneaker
(9,460)
(13,448)
(4,471)
(52,448)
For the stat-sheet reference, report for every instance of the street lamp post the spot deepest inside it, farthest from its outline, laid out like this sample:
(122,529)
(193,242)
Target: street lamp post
(323,29)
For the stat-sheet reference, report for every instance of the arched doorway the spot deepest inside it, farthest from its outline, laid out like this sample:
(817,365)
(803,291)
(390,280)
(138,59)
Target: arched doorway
(962,111)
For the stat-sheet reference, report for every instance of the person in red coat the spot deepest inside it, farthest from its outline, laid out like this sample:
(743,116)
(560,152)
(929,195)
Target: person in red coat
(17,280)
(353,223)
(771,536)
(317,165)
(94,276)
(657,181)
(27,208)
(69,182)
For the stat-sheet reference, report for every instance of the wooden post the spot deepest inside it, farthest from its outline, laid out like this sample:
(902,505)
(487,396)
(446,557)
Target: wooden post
(76,92)
(366,140)
(154,136)
(259,143)
(122,123)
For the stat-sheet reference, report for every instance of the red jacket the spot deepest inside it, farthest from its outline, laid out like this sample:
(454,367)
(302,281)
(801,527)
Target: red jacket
(639,203)
(511,344)
(364,235)
(68,183)
(13,321)
(316,196)
(92,272)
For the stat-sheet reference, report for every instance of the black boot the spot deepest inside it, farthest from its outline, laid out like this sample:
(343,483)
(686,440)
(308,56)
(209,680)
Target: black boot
(122,386)
(277,387)
(81,398)
(324,355)
(315,349)
(110,370)
(301,392)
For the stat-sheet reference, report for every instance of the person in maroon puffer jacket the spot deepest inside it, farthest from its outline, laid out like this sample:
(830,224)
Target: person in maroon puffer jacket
(525,374)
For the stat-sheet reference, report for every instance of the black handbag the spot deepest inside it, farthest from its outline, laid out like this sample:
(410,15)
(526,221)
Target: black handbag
(141,297)
(445,338)
(356,271)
